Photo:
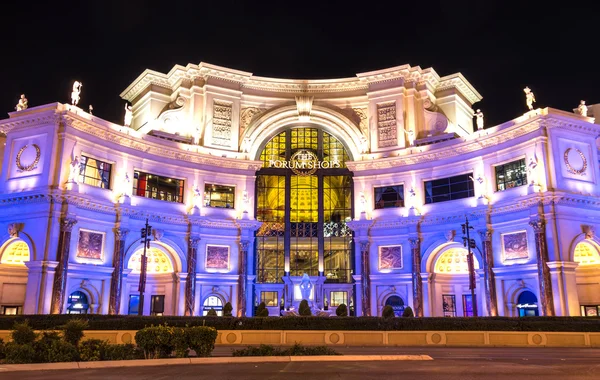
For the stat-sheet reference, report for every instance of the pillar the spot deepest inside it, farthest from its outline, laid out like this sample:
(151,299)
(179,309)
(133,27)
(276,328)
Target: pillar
(417,281)
(190,283)
(488,273)
(366,296)
(244,244)
(116,281)
(541,250)
(60,277)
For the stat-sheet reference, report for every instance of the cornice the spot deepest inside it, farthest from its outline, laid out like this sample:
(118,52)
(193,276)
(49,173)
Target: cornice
(460,82)
(28,120)
(305,86)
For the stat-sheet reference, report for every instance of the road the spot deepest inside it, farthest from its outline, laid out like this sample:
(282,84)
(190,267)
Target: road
(448,364)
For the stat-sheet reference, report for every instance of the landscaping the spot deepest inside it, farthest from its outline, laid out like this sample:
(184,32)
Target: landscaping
(295,350)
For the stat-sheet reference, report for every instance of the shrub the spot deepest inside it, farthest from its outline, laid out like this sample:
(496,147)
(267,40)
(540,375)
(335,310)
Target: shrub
(73,330)
(2,349)
(123,352)
(19,353)
(44,345)
(155,341)
(408,312)
(201,339)
(211,313)
(342,310)
(388,312)
(262,350)
(262,311)
(227,309)
(22,333)
(180,341)
(304,309)
(92,350)
(296,350)
(62,351)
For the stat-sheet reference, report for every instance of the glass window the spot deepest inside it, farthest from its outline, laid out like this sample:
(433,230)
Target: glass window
(94,172)
(134,304)
(157,187)
(269,298)
(527,304)
(157,305)
(467,305)
(11,310)
(511,175)
(448,189)
(449,305)
(219,196)
(397,304)
(77,303)
(212,302)
(338,298)
(590,310)
(389,196)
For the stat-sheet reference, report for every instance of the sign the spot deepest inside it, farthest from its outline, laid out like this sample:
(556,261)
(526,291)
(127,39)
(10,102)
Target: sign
(304,162)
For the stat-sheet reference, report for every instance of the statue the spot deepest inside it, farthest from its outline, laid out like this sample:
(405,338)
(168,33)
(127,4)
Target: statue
(529,98)
(22,105)
(90,109)
(410,136)
(531,169)
(128,115)
(364,144)
(582,109)
(479,116)
(305,287)
(76,92)
(74,170)
(197,197)
(246,145)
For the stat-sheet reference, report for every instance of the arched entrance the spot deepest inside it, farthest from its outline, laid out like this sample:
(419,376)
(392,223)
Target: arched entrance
(212,302)
(13,275)
(77,303)
(527,304)
(397,304)
(304,199)
(587,255)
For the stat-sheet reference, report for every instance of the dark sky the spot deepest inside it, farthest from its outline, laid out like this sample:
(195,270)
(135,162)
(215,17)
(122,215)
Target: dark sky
(500,47)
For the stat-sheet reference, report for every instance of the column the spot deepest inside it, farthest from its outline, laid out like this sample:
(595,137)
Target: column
(415,247)
(366,296)
(488,273)
(116,281)
(62,257)
(244,244)
(541,250)
(190,283)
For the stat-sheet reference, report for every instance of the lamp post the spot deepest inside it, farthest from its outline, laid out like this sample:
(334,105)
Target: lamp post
(470,243)
(145,232)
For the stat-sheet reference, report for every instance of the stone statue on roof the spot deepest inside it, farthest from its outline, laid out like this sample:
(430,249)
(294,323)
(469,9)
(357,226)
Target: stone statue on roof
(22,105)
(128,115)
(582,109)
(75,94)
(529,98)
(479,120)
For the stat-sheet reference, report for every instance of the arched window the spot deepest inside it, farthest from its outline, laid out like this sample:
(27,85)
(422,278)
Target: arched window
(527,304)
(397,304)
(586,254)
(212,302)
(157,262)
(16,253)
(454,261)
(77,303)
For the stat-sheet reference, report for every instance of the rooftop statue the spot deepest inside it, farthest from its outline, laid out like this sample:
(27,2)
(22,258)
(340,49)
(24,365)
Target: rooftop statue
(479,116)
(128,115)
(410,135)
(305,287)
(22,105)
(529,98)
(76,92)
(90,109)
(582,109)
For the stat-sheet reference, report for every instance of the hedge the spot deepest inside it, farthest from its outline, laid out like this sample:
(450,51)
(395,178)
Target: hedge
(127,322)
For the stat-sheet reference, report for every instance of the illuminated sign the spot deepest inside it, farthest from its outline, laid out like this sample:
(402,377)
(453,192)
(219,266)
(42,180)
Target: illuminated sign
(304,162)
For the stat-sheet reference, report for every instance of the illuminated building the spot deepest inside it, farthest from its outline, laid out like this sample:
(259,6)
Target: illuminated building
(249,182)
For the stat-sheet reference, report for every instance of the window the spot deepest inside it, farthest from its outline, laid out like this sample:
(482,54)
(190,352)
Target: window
(212,302)
(11,310)
(449,305)
(527,304)
(78,303)
(157,187)
(467,305)
(511,175)
(338,298)
(134,304)
(269,298)
(590,310)
(389,196)
(157,305)
(397,304)
(219,196)
(449,189)
(94,172)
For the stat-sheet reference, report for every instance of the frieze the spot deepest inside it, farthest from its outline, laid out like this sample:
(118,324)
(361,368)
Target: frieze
(28,121)
(246,116)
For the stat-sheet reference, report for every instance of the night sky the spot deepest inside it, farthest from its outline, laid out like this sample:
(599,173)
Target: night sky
(500,47)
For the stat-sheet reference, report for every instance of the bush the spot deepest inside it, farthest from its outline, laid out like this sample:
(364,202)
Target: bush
(408,312)
(342,310)
(22,333)
(227,309)
(262,311)
(180,342)
(156,341)
(296,350)
(201,339)
(62,351)
(92,350)
(262,350)
(19,353)
(304,309)
(73,330)
(2,349)
(388,312)
(122,352)
(211,313)
(44,345)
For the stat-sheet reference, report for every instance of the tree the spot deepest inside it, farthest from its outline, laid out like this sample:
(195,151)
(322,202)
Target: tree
(304,309)
(408,312)
(227,309)
(211,313)
(342,310)
(262,311)
(388,312)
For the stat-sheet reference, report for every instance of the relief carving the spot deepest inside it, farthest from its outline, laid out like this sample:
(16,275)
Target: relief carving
(387,134)
(221,128)
(246,116)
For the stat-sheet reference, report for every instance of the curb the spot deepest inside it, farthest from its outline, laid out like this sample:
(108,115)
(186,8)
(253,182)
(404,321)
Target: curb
(219,360)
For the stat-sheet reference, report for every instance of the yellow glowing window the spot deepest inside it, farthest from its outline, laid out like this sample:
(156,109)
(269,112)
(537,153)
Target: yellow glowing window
(454,261)
(16,253)
(157,262)
(586,254)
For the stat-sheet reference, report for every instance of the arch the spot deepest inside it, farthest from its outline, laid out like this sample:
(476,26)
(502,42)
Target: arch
(280,118)
(397,303)
(22,236)
(78,302)
(436,251)
(527,304)
(586,252)
(15,252)
(213,301)
(157,261)
(592,241)
(173,252)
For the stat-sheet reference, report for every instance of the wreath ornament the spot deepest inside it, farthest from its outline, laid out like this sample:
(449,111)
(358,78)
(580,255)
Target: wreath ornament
(571,169)
(33,165)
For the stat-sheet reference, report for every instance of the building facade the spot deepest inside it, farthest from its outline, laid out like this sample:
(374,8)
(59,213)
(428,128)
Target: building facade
(345,191)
